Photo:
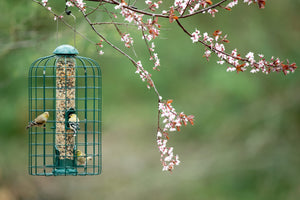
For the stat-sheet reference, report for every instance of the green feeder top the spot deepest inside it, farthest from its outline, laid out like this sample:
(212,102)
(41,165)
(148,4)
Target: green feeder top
(65,50)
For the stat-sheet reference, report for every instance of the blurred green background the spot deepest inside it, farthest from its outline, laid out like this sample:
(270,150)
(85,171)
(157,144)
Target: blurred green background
(245,141)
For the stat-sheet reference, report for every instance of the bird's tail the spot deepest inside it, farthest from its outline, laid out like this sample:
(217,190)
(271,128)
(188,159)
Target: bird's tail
(33,123)
(75,132)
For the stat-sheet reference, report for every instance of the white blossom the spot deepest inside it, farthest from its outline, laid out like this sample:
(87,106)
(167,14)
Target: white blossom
(69,4)
(231,69)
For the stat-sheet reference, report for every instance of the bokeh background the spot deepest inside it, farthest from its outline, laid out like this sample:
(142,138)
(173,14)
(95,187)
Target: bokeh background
(245,144)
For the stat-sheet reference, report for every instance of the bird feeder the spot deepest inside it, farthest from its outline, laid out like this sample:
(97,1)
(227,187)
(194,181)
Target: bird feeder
(63,84)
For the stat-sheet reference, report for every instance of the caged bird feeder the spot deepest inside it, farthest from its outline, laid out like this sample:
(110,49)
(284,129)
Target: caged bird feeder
(64,84)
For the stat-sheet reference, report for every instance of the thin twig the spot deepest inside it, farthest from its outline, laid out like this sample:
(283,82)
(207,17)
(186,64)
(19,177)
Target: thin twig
(100,3)
(185,8)
(218,51)
(117,28)
(62,20)
(208,46)
(113,23)
(119,50)
(162,15)
(146,42)
(204,9)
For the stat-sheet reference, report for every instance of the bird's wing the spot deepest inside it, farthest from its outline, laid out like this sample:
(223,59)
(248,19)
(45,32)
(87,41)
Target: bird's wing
(40,120)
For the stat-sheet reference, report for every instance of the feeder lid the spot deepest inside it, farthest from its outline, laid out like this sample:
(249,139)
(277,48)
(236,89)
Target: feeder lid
(65,50)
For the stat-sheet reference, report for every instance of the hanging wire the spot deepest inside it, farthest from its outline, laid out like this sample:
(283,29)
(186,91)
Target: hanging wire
(74,29)
(68,12)
(56,32)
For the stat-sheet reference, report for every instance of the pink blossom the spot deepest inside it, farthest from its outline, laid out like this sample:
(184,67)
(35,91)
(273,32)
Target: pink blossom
(171,120)
(152,47)
(159,134)
(207,54)
(180,5)
(248,1)
(144,75)
(127,40)
(194,8)
(79,4)
(231,69)
(195,36)
(212,12)
(254,70)
(261,55)
(69,4)
(221,62)
(232,4)
(206,38)
(250,57)
(44,2)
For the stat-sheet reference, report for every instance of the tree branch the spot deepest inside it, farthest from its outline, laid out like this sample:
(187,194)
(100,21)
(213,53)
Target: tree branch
(161,15)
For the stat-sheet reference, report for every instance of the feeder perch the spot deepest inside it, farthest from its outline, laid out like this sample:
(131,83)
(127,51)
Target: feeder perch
(64,84)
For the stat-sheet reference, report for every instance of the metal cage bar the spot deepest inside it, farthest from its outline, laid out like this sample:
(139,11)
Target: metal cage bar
(82,86)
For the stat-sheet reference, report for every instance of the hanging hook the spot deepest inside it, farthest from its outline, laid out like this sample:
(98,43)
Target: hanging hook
(69,12)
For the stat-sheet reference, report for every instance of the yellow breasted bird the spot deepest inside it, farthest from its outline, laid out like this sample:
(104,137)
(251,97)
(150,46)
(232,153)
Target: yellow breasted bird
(81,157)
(39,121)
(74,123)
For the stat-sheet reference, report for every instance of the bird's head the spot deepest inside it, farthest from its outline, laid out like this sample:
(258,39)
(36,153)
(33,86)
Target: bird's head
(46,114)
(78,152)
(72,115)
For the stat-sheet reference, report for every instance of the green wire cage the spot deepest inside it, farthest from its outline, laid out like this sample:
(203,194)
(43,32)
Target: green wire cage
(64,84)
